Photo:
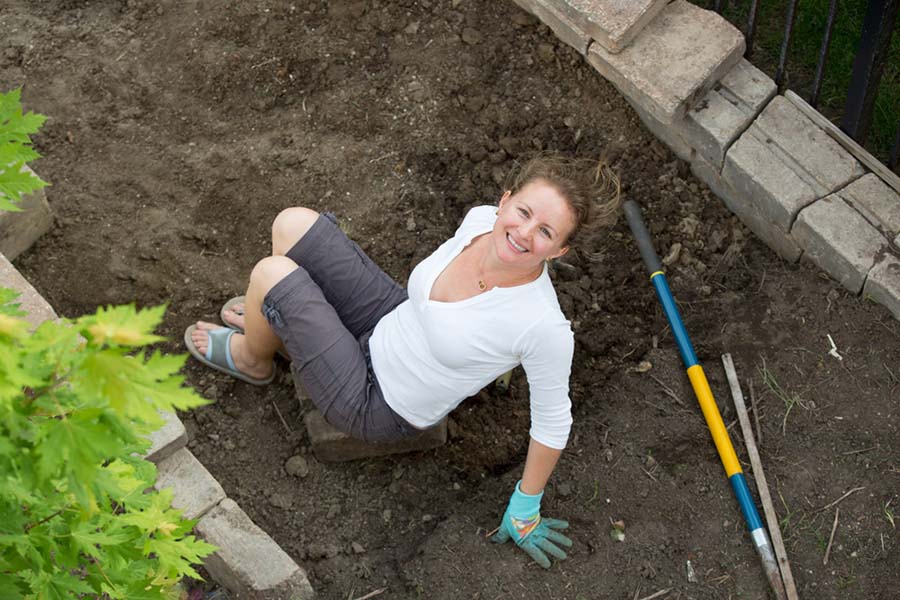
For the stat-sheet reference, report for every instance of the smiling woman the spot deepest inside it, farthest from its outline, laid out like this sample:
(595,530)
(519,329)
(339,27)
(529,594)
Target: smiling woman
(382,362)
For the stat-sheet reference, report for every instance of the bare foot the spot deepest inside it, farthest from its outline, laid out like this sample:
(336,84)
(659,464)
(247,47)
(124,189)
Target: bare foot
(246,364)
(234,316)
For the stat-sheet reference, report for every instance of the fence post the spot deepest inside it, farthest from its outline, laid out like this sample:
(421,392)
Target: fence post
(868,67)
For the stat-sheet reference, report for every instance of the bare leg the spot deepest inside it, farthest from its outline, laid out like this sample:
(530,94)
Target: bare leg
(252,352)
(289,226)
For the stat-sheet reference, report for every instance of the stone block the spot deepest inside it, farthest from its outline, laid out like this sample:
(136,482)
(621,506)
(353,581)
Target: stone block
(613,23)
(29,300)
(876,201)
(249,562)
(166,440)
(749,214)
(196,491)
(19,230)
(562,26)
(839,241)
(674,61)
(883,284)
(331,445)
(725,112)
(669,134)
(784,162)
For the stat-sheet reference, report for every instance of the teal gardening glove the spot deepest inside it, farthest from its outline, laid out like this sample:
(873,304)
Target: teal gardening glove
(536,536)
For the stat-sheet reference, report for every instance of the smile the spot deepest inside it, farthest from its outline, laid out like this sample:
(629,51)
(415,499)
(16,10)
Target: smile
(513,243)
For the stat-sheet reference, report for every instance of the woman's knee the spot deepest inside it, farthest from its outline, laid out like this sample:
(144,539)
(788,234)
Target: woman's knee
(270,271)
(289,226)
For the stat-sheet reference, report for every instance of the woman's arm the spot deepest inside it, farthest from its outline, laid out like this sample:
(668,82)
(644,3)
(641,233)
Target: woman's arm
(539,464)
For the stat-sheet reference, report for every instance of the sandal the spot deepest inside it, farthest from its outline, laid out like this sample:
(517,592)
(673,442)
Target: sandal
(218,354)
(230,306)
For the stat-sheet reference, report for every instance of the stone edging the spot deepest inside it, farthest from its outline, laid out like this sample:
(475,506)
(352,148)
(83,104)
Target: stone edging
(249,562)
(784,176)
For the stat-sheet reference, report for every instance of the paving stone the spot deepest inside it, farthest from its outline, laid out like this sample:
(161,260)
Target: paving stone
(249,562)
(839,240)
(669,134)
(331,445)
(876,201)
(19,230)
(196,491)
(883,284)
(726,111)
(166,440)
(749,214)
(674,61)
(613,23)
(562,26)
(29,300)
(783,162)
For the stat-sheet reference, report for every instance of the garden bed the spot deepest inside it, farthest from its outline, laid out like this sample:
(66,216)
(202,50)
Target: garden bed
(178,131)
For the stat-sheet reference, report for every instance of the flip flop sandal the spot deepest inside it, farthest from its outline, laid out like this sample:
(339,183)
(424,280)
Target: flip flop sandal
(230,306)
(218,354)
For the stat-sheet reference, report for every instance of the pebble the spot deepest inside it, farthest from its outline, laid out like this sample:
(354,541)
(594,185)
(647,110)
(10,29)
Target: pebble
(280,500)
(297,466)
(386,515)
(471,36)
(411,224)
(357,548)
(564,489)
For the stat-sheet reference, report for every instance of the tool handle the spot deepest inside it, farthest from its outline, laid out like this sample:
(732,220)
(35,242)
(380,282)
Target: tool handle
(641,236)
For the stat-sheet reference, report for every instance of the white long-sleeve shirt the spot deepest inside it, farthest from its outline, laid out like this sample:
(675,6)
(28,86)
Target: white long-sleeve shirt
(429,356)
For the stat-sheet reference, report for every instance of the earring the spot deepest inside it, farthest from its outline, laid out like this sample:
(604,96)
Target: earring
(497,212)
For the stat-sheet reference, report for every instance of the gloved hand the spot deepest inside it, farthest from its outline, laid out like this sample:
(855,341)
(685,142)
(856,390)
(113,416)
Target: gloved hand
(523,523)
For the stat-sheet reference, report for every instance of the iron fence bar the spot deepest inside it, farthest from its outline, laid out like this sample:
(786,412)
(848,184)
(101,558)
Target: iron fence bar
(751,28)
(823,54)
(785,43)
(895,150)
(868,67)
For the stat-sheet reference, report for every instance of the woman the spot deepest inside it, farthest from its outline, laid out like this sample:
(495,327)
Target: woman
(381,362)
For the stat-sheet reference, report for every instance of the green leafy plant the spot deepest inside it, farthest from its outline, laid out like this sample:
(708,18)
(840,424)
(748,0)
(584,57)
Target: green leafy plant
(16,151)
(78,515)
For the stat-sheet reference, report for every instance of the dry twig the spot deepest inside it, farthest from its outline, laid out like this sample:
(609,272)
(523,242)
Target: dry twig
(657,594)
(669,392)
(372,594)
(841,499)
(837,511)
(755,411)
(280,416)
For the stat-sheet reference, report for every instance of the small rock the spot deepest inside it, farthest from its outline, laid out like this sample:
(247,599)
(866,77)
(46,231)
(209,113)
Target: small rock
(412,28)
(297,466)
(411,224)
(280,500)
(608,455)
(643,366)
(386,515)
(357,548)
(545,52)
(212,392)
(317,551)
(427,518)
(564,489)
(673,254)
(471,36)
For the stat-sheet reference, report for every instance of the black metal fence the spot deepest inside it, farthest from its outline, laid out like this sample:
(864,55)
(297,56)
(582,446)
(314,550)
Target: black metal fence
(869,63)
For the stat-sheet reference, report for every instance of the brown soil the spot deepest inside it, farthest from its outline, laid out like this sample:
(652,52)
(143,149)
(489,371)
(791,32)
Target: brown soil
(178,130)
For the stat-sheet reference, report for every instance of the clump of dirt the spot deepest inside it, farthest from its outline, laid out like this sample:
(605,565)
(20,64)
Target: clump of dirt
(178,131)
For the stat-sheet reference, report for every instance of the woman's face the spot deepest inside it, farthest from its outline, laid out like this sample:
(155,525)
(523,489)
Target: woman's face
(532,225)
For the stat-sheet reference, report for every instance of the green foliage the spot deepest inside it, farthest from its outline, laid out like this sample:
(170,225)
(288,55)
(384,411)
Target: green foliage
(76,400)
(15,151)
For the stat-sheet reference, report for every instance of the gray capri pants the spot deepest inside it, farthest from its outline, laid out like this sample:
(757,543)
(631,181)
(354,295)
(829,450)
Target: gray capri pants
(324,312)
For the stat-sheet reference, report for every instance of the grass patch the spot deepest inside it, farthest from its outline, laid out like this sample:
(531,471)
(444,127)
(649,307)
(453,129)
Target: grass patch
(806,39)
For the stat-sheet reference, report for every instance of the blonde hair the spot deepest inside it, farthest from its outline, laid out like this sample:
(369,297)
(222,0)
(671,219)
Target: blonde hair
(590,188)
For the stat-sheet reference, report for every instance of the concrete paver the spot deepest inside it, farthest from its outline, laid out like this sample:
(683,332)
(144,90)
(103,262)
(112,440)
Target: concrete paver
(563,27)
(19,230)
(883,284)
(166,440)
(725,112)
(613,23)
(876,201)
(249,562)
(196,491)
(29,300)
(674,61)
(839,240)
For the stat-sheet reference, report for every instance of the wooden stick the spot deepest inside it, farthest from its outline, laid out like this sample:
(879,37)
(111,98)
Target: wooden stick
(755,411)
(837,511)
(372,594)
(842,498)
(280,416)
(761,485)
(657,594)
